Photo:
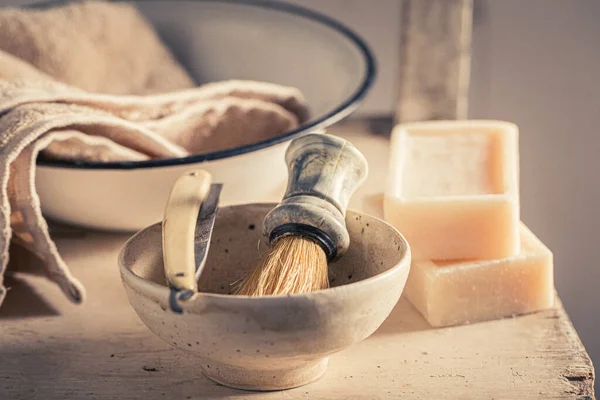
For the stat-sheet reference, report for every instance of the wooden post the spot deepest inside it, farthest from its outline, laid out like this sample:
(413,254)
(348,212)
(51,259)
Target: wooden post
(436,57)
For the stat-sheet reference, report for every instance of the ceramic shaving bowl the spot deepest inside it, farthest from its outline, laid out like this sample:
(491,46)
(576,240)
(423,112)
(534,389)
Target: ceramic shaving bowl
(273,342)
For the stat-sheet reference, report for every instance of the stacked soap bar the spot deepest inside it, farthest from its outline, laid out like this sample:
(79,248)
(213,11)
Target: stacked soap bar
(456,292)
(453,191)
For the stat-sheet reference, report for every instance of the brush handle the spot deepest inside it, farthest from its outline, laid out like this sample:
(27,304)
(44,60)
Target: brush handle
(323,173)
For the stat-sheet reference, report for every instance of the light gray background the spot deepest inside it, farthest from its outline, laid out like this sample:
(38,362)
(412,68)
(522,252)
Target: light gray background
(536,63)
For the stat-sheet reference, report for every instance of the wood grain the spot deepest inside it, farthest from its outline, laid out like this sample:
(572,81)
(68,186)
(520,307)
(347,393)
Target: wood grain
(435,59)
(51,349)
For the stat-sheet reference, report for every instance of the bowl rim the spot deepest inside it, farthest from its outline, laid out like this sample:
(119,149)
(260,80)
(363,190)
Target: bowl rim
(338,113)
(148,288)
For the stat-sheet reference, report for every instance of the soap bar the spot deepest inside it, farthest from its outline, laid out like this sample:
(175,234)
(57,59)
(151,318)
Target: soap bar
(453,188)
(458,292)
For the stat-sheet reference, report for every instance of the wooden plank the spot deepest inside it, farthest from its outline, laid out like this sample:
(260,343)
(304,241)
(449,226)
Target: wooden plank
(103,351)
(436,58)
(52,349)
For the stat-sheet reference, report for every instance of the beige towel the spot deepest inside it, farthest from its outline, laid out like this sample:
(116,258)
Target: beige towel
(39,114)
(96,46)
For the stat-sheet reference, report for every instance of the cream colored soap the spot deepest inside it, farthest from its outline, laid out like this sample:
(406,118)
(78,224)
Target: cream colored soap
(459,292)
(453,188)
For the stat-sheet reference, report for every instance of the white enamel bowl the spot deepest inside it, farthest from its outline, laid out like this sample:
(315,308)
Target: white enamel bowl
(220,40)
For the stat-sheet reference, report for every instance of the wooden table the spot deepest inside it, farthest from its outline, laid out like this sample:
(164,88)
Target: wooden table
(52,349)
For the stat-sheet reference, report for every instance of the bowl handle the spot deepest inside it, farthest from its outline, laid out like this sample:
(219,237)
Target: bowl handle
(178,233)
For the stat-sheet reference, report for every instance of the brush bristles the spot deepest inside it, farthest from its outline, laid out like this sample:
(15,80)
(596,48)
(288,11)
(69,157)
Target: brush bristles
(293,265)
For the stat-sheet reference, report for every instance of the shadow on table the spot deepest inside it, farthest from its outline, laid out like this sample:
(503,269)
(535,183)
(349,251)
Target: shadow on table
(403,318)
(23,301)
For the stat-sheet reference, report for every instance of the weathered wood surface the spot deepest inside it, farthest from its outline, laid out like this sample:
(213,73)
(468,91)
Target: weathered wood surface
(51,349)
(436,59)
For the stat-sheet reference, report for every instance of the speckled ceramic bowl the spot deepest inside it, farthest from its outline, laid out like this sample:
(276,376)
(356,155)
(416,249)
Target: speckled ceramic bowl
(275,342)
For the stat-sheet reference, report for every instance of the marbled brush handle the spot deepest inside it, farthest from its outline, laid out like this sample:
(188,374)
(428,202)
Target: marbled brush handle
(324,171)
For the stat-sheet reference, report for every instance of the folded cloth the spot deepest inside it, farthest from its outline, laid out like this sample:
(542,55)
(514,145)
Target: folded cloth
(37,115)
(100,113)
(96,46)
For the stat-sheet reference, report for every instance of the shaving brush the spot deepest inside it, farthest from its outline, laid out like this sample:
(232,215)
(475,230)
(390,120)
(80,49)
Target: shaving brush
(308,229)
